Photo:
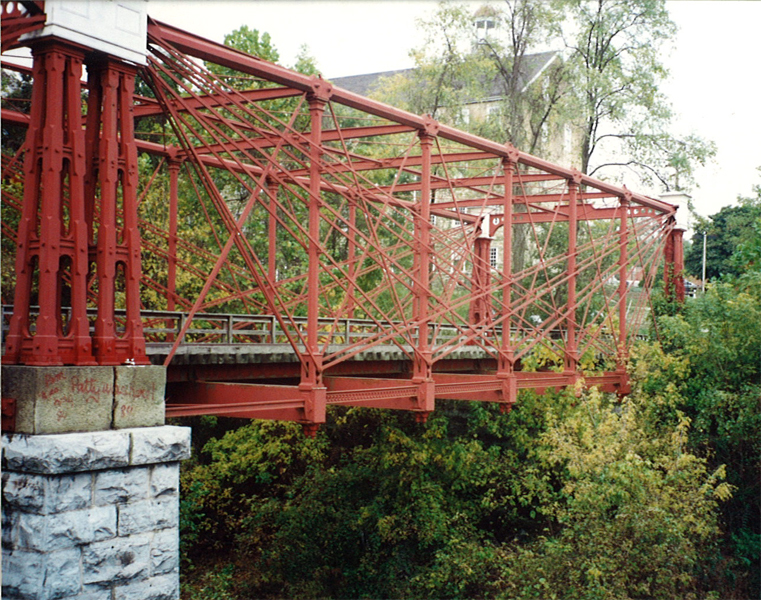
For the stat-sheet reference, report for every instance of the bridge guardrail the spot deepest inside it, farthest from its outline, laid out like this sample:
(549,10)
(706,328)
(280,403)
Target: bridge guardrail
(223,328)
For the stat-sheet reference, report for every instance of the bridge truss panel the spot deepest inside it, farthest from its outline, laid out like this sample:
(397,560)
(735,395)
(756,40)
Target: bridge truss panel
(277,209)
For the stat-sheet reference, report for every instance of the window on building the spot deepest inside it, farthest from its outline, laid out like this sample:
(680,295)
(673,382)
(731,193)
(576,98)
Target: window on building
(485,23)
(493,257)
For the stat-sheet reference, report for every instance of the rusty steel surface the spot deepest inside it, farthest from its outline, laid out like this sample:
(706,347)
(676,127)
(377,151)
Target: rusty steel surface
(233,201)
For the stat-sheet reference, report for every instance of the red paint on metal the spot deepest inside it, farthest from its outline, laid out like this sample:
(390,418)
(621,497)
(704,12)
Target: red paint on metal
(571,347)
(673,273)
(111,197)
(19,18)
(52,254)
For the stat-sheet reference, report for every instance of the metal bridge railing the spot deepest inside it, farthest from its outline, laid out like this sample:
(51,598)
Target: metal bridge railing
(161,326)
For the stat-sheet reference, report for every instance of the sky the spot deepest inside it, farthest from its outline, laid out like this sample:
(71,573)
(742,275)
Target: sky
(714,83)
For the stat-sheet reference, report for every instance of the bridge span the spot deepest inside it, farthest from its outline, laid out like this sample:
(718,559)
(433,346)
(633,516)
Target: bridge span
(372,256)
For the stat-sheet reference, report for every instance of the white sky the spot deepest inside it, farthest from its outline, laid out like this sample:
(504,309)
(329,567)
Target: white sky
(714,85)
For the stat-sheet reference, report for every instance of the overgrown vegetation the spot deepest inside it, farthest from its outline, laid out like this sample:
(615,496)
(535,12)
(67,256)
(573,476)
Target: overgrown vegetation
(574,495)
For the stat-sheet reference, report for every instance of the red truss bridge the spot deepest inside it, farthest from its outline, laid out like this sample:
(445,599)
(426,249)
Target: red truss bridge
(281,244)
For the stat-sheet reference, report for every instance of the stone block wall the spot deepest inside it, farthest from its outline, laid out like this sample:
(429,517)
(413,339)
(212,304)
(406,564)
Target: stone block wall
(92,515)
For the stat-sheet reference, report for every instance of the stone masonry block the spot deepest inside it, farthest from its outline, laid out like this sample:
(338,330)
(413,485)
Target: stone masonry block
(63,575)
(66,530)
(156,588)
(165,551)
(118,560)
(165,480)
(94,592)
(25,492)
(148,515)
(10,528)
(23,574)
(121,485)
(43,494)
(139,396)
(68,492)
(66,453)
(60,399)
(159,444)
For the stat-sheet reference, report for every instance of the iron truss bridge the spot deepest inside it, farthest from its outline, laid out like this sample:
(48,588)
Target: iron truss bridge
(281,244)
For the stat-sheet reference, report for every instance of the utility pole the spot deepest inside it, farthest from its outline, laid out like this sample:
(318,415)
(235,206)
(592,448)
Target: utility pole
(703,278)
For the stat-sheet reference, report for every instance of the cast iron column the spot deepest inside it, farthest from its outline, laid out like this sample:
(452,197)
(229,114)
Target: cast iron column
(51,259)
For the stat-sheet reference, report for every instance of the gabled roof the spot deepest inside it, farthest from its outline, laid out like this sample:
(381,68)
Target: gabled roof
(533,66)
(363,84)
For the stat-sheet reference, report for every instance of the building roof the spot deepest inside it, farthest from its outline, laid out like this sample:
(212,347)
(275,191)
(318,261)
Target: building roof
(533,66)
(363,84)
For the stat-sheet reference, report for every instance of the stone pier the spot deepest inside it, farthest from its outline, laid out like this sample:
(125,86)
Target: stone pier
(90,485)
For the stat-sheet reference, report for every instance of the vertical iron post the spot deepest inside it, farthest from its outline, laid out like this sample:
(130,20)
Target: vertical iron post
(316,111)
(623,259)
(351,302)
(272,189)
(571,349)
(506,361)
(673,272)
(422,252)
(114,191)
(422,373)
(311,385)
(52,235)
(174,171)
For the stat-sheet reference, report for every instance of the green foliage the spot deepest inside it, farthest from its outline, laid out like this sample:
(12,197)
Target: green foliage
(711,373)
(568,496)
(582,495)
(457,68)
(616,52)
(242,464)
(637,513)
(733,241)
(16,96)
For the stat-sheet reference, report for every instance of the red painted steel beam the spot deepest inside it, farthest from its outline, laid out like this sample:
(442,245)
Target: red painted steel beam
(285,402)
(222,55)
(250,401)
(496,200)
(16,22)
(151,108)
(15,117)
(524,158)
(587,212)
(476,183)
(270,140)
(254,171)
(367,164)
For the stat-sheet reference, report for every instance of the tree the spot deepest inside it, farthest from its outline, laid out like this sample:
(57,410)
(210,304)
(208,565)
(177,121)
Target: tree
(615,57)
(252,42)
(459,66)
(606,87)
(732,240)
